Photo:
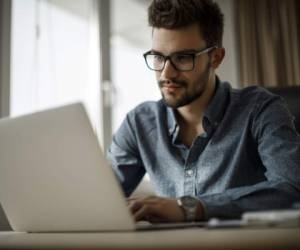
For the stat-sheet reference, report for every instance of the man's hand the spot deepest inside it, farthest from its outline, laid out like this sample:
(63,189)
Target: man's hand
(156,209)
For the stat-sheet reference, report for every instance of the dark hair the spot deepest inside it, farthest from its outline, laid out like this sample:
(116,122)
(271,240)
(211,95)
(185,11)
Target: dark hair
(172,14)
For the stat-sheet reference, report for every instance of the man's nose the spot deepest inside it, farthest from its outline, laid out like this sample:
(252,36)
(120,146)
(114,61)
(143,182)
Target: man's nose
(169,71)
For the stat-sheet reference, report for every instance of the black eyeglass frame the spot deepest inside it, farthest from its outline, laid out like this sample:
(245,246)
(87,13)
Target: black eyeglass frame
(193,54)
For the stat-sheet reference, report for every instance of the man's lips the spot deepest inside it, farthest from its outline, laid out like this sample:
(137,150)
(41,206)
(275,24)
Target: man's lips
(171,87)
(172,83)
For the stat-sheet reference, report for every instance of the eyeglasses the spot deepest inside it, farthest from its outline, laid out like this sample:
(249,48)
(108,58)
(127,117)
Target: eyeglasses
(181,61)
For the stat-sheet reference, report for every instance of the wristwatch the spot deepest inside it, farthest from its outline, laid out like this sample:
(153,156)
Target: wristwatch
(189,205)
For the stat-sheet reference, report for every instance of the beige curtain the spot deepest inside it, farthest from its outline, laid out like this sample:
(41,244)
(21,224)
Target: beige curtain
(269,42)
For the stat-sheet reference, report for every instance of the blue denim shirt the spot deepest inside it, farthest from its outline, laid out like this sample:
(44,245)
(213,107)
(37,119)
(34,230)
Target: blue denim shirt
(247,159)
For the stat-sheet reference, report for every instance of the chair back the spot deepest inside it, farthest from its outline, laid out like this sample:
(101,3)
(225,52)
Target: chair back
(291,94)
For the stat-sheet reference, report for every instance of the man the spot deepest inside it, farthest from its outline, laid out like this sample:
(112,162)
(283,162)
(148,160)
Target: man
(210,150)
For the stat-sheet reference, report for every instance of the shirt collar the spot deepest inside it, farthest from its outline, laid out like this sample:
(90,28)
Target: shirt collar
(214,112)
(218,105)
(172,122)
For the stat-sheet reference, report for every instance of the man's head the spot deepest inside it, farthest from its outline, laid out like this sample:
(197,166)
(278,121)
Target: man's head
(187,47)
(174,14)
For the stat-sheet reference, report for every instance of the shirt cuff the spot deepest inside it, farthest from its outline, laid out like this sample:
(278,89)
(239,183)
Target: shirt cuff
(219,206)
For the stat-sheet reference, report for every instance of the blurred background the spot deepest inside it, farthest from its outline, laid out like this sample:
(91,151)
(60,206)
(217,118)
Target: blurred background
(54,52)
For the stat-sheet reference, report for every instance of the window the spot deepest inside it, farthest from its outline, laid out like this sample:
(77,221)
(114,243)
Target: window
(55,56)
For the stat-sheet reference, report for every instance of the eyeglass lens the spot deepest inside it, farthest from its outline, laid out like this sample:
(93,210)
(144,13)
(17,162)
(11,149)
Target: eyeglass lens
(180,61)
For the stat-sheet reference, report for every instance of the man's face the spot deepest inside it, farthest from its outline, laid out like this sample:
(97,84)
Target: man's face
(180,88)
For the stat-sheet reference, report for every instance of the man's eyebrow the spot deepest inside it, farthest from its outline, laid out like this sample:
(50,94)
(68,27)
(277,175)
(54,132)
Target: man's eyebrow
(175,52)
(185,51)
(155,51)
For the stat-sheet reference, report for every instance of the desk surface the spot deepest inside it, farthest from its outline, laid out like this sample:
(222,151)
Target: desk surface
(197,238)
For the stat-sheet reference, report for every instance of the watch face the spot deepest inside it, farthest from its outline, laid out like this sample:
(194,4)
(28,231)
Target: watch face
(189,201)
(189,204)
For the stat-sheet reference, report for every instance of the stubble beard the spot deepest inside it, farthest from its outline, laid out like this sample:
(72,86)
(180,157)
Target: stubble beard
(187,96)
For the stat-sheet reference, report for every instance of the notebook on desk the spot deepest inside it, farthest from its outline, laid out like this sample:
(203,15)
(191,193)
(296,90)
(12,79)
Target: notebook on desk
(54,177)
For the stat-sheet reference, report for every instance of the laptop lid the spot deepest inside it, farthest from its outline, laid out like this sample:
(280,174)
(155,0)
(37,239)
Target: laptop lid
(53,176)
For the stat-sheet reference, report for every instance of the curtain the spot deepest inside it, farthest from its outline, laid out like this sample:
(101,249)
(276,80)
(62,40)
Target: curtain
(268,33)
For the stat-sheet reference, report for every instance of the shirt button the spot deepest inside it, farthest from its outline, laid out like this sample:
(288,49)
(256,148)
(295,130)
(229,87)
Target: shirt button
(190,172)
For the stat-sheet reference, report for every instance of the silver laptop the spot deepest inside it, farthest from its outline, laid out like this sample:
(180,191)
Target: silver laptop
(54,177)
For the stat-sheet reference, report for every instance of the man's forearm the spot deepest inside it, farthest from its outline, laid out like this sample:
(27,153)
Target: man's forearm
(265,195)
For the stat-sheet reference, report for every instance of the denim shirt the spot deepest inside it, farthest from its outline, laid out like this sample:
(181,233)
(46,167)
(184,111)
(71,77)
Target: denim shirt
(247,159)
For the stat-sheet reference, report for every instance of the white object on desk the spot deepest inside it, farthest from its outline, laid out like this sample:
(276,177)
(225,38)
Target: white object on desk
(282,218)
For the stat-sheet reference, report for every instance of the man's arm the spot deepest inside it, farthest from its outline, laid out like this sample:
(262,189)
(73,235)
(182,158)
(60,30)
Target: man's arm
(125,158)
(278,145)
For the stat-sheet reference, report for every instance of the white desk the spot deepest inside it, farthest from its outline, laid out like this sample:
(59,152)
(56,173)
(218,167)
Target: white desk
(182,239)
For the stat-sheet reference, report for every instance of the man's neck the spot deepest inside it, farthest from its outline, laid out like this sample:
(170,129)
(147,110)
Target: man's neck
(192,114)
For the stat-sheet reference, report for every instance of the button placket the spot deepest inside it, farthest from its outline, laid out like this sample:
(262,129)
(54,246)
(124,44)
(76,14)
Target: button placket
(189,179)
(189,172)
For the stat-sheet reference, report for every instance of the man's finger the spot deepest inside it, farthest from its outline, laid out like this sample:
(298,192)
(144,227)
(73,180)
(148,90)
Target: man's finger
(133,198)
(135,206)
(146,198)
(144,213)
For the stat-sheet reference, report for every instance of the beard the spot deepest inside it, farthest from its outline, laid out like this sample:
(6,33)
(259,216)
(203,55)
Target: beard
(188,96)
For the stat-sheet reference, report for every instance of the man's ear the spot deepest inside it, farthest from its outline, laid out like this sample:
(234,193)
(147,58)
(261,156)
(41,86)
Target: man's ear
(217,57)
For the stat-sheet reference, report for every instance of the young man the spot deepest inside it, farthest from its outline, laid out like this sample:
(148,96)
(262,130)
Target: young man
(210,150)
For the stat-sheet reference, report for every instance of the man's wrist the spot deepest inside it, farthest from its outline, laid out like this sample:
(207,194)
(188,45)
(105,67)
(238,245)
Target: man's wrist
(192,208)
(199,211)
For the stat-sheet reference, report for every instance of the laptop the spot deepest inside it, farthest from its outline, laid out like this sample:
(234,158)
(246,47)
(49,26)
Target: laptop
(54,177)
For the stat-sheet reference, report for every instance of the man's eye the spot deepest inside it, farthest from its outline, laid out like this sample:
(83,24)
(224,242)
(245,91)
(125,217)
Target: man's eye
(158,58)
(182,58)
